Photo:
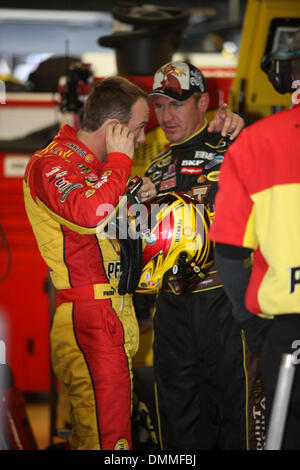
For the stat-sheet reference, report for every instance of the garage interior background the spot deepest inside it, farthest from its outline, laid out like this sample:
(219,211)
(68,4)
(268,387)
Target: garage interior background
(30,35)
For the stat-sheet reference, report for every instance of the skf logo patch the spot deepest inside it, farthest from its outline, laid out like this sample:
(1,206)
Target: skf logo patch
(121,444)
(191,163)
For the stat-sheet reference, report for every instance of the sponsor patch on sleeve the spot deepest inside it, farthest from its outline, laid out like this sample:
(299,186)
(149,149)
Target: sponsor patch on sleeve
(191,170)
(191,167)
(167,184)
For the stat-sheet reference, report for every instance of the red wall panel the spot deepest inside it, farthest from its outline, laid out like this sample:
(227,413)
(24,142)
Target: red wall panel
(23,298)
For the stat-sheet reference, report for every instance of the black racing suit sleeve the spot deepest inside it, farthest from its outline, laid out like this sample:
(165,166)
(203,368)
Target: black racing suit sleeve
(247,121)
(143,305)
(235,273)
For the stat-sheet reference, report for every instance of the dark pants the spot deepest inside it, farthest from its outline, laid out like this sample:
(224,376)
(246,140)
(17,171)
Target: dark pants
(283,337)
(200,371)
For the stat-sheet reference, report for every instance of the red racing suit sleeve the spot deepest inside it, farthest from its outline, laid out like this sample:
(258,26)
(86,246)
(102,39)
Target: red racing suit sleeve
(60,188)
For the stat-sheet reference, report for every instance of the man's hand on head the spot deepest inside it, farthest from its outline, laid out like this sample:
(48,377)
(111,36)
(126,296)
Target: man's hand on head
(226,123)
(119,138)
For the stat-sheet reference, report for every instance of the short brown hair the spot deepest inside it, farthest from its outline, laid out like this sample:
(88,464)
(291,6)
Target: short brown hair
(110,98)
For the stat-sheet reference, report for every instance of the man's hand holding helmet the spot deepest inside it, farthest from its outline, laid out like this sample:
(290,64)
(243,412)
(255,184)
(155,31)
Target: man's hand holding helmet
(147,190)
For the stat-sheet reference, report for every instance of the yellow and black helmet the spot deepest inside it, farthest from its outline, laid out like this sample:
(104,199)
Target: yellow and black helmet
(163,244)
(176,249)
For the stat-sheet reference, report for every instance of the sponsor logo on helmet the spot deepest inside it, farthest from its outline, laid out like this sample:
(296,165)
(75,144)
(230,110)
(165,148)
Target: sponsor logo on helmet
(149,237)
(178,231)
(187,231)
(144,285)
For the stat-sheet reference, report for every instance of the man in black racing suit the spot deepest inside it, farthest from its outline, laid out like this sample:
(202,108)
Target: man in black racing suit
(207,381)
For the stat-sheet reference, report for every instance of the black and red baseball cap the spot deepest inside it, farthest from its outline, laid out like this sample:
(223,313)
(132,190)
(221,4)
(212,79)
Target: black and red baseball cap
(178,80)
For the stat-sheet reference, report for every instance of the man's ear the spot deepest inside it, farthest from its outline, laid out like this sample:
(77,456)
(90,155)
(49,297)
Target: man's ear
(203,102)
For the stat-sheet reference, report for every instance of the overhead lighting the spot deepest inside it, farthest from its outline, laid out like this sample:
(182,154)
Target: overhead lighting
(74,18)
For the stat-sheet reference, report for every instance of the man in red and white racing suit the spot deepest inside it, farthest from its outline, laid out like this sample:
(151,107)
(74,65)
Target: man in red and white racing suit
(70,187)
